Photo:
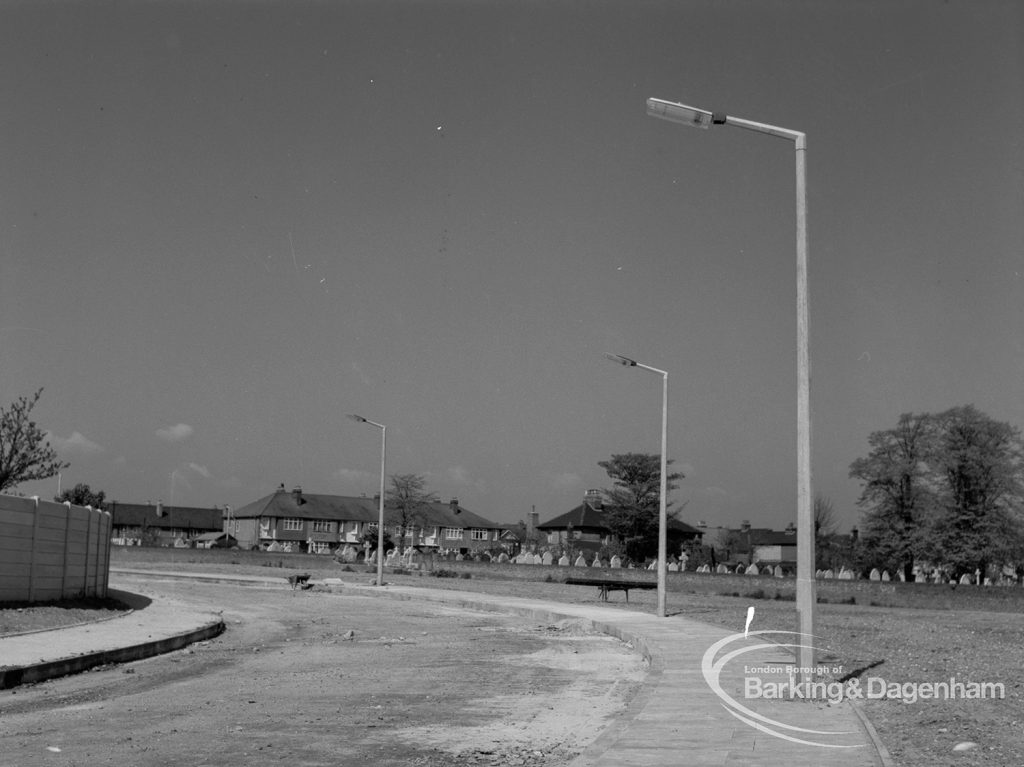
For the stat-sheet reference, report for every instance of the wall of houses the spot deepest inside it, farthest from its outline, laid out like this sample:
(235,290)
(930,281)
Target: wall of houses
(51,551)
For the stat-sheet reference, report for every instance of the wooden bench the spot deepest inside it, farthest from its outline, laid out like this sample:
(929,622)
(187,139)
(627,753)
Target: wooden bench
(603,586)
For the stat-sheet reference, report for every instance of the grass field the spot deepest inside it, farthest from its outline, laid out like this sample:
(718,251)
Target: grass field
(899,645)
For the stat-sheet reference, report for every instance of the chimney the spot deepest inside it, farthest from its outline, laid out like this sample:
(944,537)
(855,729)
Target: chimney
(702,524)
(159,508)
(532,521)
(854,534)
(297,495)
(593,498)
(745,526)
(790,529)
(453,504)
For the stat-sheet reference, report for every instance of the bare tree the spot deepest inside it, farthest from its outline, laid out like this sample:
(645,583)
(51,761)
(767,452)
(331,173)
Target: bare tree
(25,453)
(407,502)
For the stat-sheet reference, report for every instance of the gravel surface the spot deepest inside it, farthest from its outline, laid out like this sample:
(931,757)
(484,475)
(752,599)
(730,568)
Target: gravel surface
(320,678)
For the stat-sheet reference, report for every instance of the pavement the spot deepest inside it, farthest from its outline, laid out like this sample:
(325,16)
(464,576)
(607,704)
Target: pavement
(693,708)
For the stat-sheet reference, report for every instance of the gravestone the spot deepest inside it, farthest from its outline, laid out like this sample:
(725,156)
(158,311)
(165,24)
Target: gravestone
(740,569)
(828,574)
(721,569)
(885,576)
(779,572)
(966,580)
(616,562)
(563,561)
(503,558)
(673,567)
(547,559)
(875,575)
(752,570)
(580,561)
(597,562)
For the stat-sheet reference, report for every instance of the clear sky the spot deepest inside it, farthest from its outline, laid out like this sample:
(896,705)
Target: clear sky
(225,225)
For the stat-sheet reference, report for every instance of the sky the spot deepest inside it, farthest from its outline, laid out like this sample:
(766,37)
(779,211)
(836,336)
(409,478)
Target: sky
(227,225)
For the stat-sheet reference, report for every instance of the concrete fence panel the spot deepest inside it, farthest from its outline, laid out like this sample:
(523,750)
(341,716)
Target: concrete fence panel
(51,551)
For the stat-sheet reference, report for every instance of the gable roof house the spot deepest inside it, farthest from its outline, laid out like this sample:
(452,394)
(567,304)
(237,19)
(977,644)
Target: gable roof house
(320,523)
(160,525)
(584,527)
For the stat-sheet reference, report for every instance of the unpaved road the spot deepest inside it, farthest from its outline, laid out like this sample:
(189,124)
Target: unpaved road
(412,684)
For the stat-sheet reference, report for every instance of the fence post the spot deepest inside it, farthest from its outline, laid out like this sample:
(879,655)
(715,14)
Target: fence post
(32,553)
(88,547)
(67,536)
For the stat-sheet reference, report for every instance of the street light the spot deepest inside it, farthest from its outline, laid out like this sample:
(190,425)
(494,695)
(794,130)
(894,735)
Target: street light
(663,488)
(805,587)
(380,508)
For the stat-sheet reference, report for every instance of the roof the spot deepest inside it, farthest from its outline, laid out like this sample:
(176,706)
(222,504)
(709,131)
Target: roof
(144,515)
(586,516)
(583,516)
(302,505)
(772,538)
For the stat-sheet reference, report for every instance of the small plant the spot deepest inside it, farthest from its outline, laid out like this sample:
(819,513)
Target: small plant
(445,574)
(466,576)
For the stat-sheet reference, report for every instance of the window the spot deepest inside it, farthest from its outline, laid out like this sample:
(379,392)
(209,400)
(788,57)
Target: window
(323,526)
(453,533)
(478,534)
(290,523)
(319,547)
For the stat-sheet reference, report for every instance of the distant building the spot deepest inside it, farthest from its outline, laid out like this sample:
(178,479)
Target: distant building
(136,524)
(752,545)
(323,523)
(585,527)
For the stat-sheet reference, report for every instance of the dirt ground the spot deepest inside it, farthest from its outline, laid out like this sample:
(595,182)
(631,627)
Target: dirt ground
(319,678)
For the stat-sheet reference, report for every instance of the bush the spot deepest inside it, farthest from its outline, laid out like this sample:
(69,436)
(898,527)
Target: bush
(445,574)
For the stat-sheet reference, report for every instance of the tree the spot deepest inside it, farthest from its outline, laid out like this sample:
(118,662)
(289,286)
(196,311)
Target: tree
(632,506)
(369,536)
(25,453)
(408,501)
(82,495)
(896,494)
(948,488)
(979,463)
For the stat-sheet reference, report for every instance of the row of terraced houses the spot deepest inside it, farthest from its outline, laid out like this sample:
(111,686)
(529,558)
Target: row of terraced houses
(310,522)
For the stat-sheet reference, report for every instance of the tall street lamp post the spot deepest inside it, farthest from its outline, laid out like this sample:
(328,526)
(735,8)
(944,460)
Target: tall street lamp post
(380,502)
(663,487)
(805,587)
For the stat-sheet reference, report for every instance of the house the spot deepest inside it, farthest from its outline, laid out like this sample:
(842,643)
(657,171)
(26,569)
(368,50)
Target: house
(749,545)
(323,523)
(584,527)
(136,524)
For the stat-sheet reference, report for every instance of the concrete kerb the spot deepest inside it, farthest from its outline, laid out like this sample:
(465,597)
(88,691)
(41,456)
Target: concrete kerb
(27,673)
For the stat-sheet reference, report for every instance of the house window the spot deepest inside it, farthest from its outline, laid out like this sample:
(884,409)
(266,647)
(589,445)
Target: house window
(453,533)
(323,526)
(478,535)
(290,523)
(319,547)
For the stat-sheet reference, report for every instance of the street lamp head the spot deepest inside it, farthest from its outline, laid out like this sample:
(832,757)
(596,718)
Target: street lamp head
(680,113)
(358,418)
(618,358)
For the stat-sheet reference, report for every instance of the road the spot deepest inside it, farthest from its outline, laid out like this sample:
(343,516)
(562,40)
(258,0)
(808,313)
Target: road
(320,678)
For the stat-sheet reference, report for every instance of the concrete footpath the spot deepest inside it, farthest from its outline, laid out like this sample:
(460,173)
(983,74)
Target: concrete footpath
(692,710)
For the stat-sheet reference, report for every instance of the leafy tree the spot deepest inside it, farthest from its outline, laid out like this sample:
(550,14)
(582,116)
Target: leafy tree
(897,492)
(82,495)
(369,536)
(25,453)
(632,505)
(979,463)
(948,488)
(407,502)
